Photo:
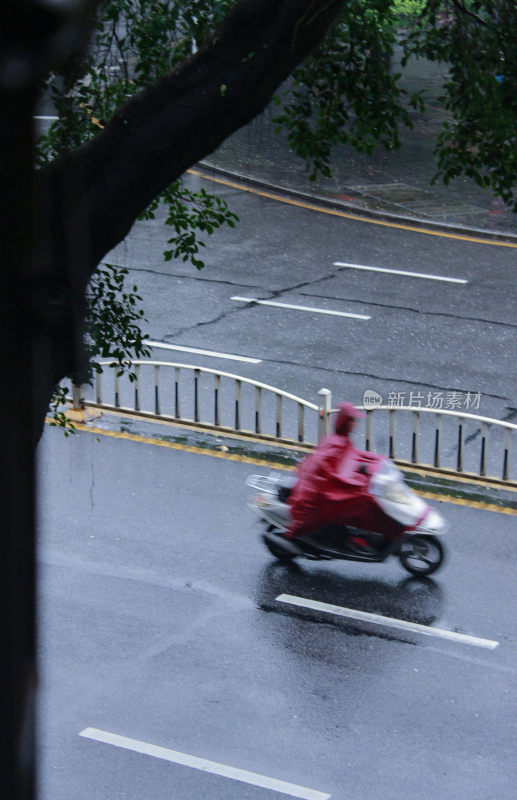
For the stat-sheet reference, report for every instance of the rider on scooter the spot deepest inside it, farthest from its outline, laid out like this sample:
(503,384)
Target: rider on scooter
(332,484)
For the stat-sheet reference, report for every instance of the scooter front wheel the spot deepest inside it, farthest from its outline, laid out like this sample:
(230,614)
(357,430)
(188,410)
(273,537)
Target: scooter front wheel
(421,554)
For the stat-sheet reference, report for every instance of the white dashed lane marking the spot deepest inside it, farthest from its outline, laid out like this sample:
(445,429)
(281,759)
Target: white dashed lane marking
(401,272)
(387,622)
(292,307)
(186,760)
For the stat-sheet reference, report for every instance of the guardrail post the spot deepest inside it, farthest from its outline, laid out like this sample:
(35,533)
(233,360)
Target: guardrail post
(278,426)
(217,400)
(482,465)
(507,451)
(137,387)
(98,387)
(77,399)
(461,444)
(258,409)
(116,389)
(369,431)
(238,403)
(324,410)
(437,441)
(177,392)
(393,432)
(300,423)
(157,391)
(414,440)
(197,375)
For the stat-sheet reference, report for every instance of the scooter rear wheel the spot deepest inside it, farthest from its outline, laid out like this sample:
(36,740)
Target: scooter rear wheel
(275,549)
(421,554)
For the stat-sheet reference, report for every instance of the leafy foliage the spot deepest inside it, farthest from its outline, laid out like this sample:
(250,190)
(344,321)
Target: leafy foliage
(58,417)
(190,212)
(407,11)
(477,39)
(345,91)
(113,322)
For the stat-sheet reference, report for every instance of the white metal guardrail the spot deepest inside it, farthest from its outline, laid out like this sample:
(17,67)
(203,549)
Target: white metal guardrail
(205,397)
(445,441)
(447,435)
(484,425)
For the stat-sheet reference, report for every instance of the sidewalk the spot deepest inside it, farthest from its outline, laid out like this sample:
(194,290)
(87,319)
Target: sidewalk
(391,184)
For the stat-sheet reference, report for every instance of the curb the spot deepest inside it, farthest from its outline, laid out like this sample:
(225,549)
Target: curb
(384,216)
(448,489)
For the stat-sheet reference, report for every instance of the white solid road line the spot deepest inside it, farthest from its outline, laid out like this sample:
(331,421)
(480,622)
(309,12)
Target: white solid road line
(213,767)
(401,272)
(388,622)
(166,346)
(300,308)
(44,117)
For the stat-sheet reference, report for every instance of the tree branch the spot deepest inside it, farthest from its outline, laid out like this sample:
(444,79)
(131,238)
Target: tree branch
(88,199)
(168,127)
(459,6)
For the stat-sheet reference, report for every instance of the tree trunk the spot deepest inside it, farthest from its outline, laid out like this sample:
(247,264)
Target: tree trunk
(29,41)
(16,462)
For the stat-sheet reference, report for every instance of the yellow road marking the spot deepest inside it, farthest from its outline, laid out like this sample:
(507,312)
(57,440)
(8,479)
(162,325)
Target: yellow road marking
(464,501)
(348,215)
(187,448)
(134,437)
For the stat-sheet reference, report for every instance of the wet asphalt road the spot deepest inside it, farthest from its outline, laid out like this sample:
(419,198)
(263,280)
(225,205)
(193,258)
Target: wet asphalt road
(159,622)
(421,335)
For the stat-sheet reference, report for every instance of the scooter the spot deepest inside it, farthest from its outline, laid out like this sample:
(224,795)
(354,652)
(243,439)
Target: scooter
(418,546)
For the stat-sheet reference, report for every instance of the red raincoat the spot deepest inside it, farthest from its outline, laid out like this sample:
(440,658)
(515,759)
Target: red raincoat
(332,487)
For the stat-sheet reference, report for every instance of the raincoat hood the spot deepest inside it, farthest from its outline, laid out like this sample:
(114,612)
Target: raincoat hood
(347,412)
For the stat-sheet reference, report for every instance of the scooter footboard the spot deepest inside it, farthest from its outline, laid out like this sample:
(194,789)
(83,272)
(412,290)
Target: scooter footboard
(273,512)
